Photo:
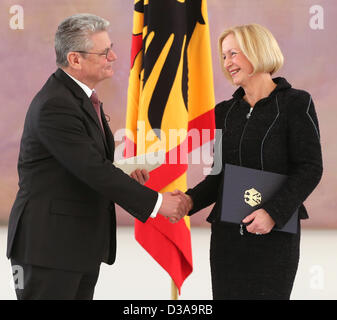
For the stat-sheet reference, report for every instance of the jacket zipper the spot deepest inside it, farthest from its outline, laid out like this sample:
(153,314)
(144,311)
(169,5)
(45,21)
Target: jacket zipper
(249,113)
(243,131)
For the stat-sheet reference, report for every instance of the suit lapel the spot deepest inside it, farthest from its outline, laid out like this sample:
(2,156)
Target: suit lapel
(86,103)
(110,142)
(89,109)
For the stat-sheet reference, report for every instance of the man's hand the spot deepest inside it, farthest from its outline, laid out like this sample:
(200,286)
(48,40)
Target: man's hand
(140,175)
(262,222)
(173,206)
(186,198)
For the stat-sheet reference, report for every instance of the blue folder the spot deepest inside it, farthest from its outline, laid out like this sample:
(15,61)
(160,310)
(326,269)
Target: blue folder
(245,190)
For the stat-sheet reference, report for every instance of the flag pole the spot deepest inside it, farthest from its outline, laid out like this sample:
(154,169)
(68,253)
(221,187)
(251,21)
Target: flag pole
(174,291)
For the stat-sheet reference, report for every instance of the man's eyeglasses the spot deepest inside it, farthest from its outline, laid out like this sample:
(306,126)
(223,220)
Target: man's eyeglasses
(104,53)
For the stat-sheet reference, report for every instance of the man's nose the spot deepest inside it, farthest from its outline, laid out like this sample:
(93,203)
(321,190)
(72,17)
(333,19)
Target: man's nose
(112,56)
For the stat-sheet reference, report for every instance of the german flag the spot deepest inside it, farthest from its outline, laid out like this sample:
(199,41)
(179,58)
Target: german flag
(170,95)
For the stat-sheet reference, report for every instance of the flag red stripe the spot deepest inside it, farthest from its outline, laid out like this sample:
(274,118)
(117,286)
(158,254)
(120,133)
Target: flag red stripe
(168,172)
(200,123)
(178,263)
(136,46)
(204,121)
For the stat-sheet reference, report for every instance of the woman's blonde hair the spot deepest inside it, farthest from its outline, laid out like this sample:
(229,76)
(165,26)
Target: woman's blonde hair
(259,46)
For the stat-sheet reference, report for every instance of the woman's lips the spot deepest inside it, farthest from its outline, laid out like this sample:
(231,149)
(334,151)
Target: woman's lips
(234,72)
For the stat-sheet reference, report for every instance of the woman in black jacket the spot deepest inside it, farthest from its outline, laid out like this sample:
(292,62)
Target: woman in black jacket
(270,126)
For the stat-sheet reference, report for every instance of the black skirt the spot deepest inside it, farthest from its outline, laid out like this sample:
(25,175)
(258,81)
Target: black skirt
(252,267)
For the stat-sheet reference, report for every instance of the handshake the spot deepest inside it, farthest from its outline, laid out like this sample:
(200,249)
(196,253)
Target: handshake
(175,204)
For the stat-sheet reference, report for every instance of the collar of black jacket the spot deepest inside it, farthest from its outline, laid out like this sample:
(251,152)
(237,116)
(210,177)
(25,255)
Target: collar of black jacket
(70,83)
(79,93)
(281,84)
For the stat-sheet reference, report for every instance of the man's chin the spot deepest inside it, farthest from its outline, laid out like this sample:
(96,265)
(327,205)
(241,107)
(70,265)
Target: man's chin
(109,74)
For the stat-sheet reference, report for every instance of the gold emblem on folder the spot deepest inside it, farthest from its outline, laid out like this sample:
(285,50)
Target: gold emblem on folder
(252,197)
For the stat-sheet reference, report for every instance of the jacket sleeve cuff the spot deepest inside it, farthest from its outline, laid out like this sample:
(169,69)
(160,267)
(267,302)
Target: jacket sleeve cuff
(279,219)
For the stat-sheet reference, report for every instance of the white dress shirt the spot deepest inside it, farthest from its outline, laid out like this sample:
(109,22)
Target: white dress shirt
(88,92)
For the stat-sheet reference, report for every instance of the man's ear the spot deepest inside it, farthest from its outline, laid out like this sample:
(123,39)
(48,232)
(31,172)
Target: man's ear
(74,60)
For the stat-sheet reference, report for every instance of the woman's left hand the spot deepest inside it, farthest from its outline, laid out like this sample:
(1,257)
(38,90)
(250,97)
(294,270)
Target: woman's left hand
(262,222)
(140,175)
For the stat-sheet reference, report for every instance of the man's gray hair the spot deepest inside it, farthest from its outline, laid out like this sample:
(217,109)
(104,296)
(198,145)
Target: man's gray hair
(73,34)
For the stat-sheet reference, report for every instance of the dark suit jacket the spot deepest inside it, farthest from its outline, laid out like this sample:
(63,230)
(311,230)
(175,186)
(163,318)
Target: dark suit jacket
(281,136)
(64,214)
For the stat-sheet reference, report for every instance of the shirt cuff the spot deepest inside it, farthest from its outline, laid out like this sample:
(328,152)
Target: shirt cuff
(157,206)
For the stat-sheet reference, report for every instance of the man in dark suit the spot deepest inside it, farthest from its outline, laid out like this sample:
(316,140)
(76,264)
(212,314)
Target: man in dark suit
(62,224)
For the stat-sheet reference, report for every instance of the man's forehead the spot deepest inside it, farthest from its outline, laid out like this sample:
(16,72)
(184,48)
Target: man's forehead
(100,38)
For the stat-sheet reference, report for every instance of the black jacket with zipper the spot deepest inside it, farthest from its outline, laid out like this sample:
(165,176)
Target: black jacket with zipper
(281,135)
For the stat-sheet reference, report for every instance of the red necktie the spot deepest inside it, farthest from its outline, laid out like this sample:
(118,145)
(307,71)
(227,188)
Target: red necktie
(97,106)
